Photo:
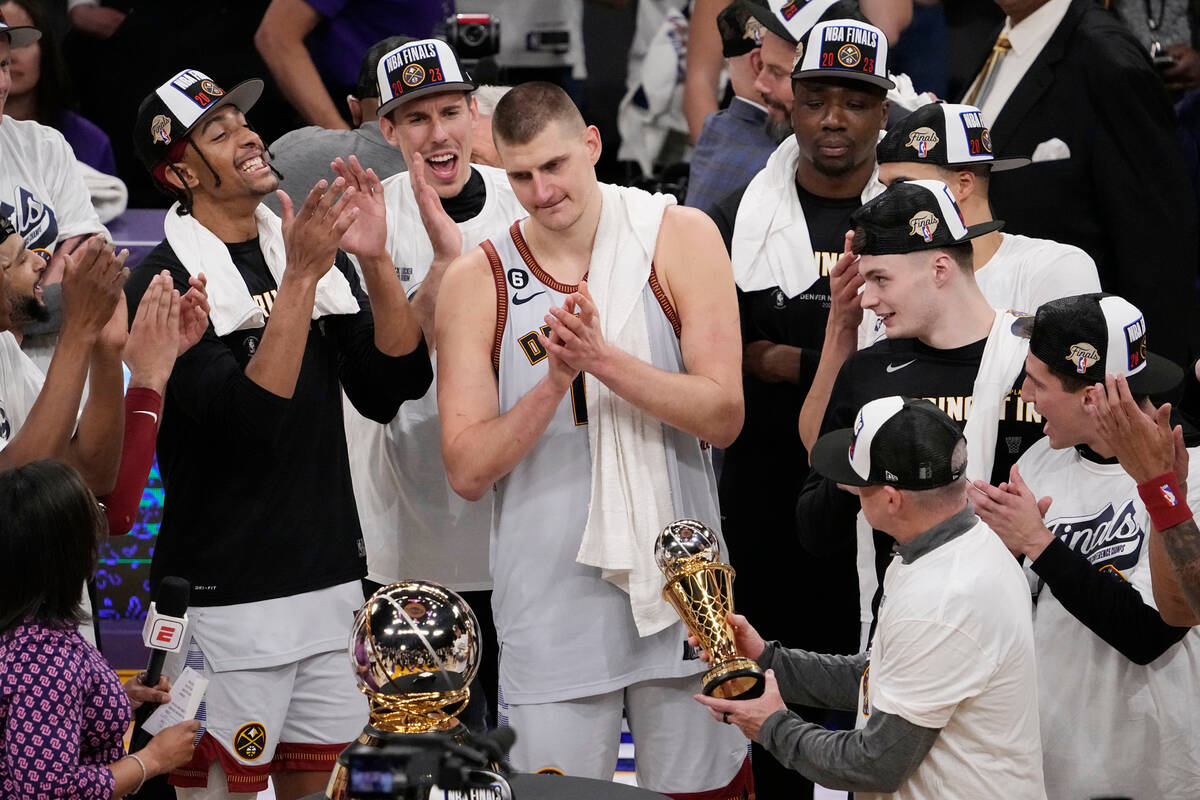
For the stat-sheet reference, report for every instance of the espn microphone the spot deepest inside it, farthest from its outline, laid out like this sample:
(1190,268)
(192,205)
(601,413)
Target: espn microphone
(163,633)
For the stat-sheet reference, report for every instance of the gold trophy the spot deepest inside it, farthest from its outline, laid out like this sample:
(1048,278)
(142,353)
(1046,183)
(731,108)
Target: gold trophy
(414,649)
(700,589)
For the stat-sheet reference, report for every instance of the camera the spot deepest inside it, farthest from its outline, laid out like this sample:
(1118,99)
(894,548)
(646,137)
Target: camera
(427,766)
(473,36)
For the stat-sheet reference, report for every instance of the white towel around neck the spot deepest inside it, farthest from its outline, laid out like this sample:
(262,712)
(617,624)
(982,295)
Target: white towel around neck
(1001,363)
(771,246)
(233,308)
(630,495)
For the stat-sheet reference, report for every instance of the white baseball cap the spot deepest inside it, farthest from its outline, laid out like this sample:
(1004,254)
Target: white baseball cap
(418,68)
(844,48)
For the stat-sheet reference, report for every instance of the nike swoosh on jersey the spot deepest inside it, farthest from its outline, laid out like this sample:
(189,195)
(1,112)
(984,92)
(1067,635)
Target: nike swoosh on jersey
(148,414)
(891,368)
(518,300)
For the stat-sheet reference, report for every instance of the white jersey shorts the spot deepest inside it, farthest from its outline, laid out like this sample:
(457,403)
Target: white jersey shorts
(678,748)
(296,716)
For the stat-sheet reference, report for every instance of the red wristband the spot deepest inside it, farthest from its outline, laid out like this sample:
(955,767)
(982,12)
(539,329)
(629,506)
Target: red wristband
(1165,501)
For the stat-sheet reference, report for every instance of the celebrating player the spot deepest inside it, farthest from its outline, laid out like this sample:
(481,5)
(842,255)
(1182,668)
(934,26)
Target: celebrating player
(585,357)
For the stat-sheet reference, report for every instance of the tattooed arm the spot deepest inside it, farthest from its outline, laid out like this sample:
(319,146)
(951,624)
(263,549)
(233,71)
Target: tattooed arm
(1147,446)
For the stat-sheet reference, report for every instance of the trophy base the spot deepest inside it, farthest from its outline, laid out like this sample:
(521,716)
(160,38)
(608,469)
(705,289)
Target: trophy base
(736,679)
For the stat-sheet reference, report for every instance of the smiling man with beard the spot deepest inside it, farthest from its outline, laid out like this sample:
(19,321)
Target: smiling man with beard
(259,515)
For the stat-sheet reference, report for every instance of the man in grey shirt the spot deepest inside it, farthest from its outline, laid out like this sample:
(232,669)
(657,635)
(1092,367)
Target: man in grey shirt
(302,157)
(950,673)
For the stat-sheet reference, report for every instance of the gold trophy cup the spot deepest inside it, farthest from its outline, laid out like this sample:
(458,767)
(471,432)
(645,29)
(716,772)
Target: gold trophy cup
(414,649)
(700,589)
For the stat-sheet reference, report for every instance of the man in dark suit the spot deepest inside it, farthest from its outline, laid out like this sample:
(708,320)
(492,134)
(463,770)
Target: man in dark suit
(1077,92)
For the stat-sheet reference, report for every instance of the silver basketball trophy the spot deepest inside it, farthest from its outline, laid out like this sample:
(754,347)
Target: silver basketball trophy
(415,649)
(700,588)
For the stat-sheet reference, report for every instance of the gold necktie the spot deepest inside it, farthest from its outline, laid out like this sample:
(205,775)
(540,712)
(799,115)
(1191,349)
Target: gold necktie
(987,75)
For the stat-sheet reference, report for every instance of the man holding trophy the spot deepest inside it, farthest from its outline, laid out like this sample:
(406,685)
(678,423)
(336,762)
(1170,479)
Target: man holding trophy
(949,675)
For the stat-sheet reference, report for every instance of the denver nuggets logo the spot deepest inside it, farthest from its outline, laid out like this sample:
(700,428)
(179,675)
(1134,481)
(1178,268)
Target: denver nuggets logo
(250,741)
(985,138)
(415,610)
(849,56)
(1083,355)
(413,75)
(160,129)
(211,88)
(924,225)
(790,10)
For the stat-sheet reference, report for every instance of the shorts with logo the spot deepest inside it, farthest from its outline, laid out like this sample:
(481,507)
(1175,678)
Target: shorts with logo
(258,719)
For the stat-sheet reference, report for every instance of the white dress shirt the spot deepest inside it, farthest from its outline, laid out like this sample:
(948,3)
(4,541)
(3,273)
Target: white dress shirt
(1027,38)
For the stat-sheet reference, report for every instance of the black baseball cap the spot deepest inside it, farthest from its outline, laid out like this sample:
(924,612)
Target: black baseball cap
(788,19)
(896,441)
(366,85)
(945,135)
(1089,336)
(915,215)
(19,35)
(846,49)
(417,68)
(172,111)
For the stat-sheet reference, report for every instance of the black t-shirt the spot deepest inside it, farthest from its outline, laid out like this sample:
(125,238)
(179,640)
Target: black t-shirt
(469,202)
(765,467)
(825,515)
(767,464)
(258,501)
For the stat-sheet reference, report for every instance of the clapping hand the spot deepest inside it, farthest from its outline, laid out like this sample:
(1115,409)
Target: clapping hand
(154,338)
(1143,441)
(193,313)
(367,235)
(1014,513)
(92,282)
(311,234)
(443,233)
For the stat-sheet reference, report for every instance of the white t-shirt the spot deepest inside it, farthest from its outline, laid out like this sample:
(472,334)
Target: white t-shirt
(954,650)
(41,186)
(413,523)
(1022,274)
(1109,726)
(20,383)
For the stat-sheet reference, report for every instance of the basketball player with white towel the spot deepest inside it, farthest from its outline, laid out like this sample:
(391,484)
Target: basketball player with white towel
(592,428)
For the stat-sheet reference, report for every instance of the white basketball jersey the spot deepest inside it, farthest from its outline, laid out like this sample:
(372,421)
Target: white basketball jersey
(413,524)
(564,631)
